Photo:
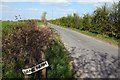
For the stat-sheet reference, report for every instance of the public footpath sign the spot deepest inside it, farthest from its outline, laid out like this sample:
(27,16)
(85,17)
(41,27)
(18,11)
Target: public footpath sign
(35,68)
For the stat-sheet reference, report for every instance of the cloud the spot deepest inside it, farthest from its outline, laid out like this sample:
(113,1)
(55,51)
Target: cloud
(97,1)
(2,5)
(98,4)
(43,1)
(61,1)
(108,4)
(69,10)
(55,2)
(28,9)
(20,0)
(31,9)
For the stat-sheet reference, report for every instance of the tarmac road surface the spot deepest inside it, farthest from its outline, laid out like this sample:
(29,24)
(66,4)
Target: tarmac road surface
(89,54)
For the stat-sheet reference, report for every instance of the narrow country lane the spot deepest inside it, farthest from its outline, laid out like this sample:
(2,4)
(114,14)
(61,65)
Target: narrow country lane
(92,58)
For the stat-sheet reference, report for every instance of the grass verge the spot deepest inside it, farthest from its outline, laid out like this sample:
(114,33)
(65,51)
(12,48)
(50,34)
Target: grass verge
(58,60)
(104,38)
(39,23)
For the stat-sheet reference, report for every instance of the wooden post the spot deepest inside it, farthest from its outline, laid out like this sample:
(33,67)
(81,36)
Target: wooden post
(26,77)
(43,71)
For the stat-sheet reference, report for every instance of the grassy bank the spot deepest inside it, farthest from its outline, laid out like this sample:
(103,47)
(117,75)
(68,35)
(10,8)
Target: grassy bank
(57,57)
(104,38)
(39,23)
(58,60)
(56,54)
(15,34)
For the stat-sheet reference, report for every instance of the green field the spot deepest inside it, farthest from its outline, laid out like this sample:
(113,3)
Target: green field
(39,23)
(8,26)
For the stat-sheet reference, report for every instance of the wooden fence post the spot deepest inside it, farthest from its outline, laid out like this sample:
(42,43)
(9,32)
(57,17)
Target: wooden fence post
(43,71)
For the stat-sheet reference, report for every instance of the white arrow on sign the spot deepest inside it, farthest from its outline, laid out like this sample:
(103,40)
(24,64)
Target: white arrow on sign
(35,68)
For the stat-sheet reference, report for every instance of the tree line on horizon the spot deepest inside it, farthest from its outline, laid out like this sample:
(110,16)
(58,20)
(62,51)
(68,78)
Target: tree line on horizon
(104,20)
